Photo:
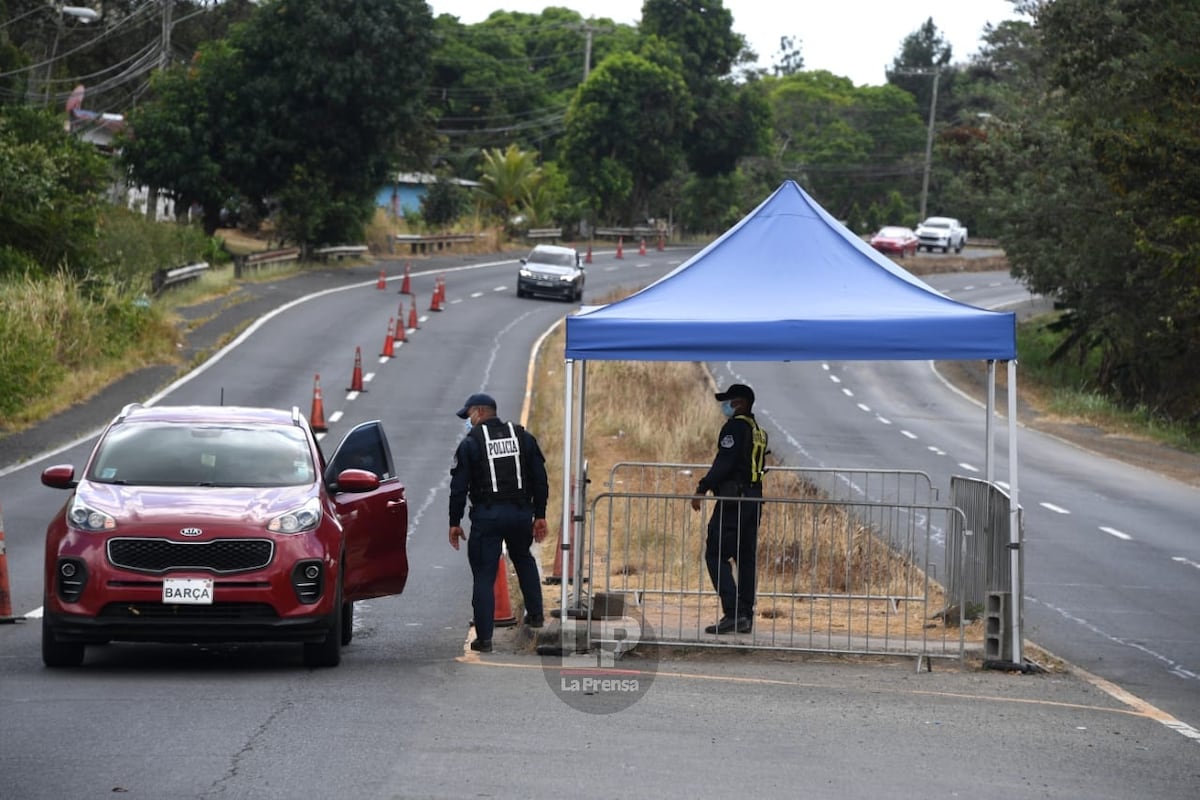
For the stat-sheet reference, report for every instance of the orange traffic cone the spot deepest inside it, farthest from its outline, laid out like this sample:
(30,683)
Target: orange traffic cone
(441,287)
(399,335)
(382,282)
(356,378)
(389,345)
(661,243)
(588,258)
(620,251)
(316,420)
(413,322)
(406,284)
(504,617)
(435,302)
(5,594)
(642,249)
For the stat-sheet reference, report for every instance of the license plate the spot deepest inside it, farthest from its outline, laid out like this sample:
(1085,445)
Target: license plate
(188,591)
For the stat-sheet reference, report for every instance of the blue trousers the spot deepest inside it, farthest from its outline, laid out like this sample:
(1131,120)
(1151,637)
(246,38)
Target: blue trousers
(491,528)
(733,537)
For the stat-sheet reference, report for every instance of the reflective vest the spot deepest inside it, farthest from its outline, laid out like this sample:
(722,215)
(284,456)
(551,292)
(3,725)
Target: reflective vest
(758,449)
(499,474)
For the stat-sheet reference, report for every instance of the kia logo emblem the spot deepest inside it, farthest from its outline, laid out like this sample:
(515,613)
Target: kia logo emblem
(190,531)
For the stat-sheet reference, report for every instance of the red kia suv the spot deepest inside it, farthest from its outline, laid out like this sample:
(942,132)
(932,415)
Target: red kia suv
(221,524)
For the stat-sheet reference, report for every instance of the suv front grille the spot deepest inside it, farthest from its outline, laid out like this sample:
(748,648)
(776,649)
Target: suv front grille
(221,556)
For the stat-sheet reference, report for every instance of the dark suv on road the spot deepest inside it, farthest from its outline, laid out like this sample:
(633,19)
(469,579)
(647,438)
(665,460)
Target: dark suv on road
(553,271)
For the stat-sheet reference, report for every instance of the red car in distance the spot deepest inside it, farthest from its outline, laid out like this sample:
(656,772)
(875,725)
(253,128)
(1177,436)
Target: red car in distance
(894,240)
(221,524)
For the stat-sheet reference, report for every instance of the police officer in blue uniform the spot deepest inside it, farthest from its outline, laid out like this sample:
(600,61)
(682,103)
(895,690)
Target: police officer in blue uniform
(500,467)
(736,472)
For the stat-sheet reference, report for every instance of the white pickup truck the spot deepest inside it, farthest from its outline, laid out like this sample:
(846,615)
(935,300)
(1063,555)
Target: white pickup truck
(941,233)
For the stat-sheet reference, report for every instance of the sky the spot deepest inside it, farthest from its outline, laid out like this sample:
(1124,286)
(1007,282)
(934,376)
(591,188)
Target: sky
(856,39)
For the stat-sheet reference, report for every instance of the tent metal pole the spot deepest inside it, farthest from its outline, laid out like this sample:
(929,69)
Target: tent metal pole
(1014,521)
(989,469)
(568,409)
(580,486)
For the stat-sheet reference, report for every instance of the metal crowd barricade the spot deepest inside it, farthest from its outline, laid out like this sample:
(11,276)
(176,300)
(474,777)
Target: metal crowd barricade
(847,570)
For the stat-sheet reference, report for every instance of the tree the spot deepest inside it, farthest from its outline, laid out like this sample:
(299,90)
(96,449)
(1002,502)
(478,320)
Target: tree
(731,122)
(331,97)
(505,179)
(178,141)
(51,187)
(624,134)
(848,144)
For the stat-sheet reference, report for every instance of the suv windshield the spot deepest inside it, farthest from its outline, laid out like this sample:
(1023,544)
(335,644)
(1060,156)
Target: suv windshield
(552,258)
(203,455)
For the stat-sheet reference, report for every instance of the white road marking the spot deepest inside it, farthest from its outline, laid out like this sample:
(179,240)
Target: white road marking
(476,294)
(497,289)
(351,395)
(367,378)
(968,467)
(847,392)
(1115,532)
(835,379)
(1054,508)
(865,407)
(884,420)
(909,434)
(1188,561)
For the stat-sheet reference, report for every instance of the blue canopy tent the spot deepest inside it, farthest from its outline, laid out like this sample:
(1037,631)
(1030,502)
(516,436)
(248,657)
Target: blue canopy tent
(788,283)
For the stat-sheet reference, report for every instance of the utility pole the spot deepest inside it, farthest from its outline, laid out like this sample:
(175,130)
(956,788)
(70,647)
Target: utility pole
(588,31)
(164,55)
(936,72)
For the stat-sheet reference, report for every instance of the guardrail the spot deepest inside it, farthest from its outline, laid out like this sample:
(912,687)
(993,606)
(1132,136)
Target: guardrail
(168,277)
(645,231)
(282,255)
(425,243)
(553,234)
(340,251)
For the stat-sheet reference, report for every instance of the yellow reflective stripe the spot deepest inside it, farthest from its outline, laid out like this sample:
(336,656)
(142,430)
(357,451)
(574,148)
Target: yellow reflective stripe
(758,449)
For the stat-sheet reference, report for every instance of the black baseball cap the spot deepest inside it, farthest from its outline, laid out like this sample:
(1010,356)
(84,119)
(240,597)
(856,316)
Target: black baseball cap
(478,399)
(736,390)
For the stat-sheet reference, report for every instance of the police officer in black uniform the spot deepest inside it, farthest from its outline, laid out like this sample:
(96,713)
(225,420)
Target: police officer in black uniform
(736,472)
(500,466)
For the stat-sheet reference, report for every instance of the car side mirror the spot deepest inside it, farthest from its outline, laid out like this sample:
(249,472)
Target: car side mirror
(524,261)
(60,476)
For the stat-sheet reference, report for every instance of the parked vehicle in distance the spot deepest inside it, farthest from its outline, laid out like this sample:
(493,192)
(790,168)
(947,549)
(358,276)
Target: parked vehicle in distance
(221,524)
(942,233)
(894,240)
(553,271)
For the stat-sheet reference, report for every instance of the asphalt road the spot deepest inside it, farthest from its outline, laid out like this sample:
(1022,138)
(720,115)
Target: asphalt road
(409,715)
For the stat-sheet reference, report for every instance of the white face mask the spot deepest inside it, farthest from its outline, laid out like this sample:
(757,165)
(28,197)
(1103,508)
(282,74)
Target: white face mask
(727,408)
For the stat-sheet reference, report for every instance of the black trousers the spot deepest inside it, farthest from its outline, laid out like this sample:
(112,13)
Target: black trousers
(493,527)
(733,537)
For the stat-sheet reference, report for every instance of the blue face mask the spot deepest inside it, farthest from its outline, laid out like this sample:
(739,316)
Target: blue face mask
(467,426)
(727,408)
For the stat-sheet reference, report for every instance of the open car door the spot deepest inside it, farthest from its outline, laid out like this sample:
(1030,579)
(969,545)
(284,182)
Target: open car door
(375,522)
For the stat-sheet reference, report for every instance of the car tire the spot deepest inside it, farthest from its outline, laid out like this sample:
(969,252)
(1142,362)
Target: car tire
(959,249)
(347,622)
(59,654)
(328,651)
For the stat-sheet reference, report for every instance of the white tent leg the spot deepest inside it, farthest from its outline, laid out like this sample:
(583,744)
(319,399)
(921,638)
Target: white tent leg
(989,434)
(1014,521)
(568,409)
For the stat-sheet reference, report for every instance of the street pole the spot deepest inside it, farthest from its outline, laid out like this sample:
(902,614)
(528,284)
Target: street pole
(937,74)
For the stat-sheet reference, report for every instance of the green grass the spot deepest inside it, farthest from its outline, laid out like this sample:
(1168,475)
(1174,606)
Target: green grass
(1067,388)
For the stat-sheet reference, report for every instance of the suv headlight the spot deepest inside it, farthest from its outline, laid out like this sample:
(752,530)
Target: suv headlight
(525,273)
(85,518)
(298,520)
